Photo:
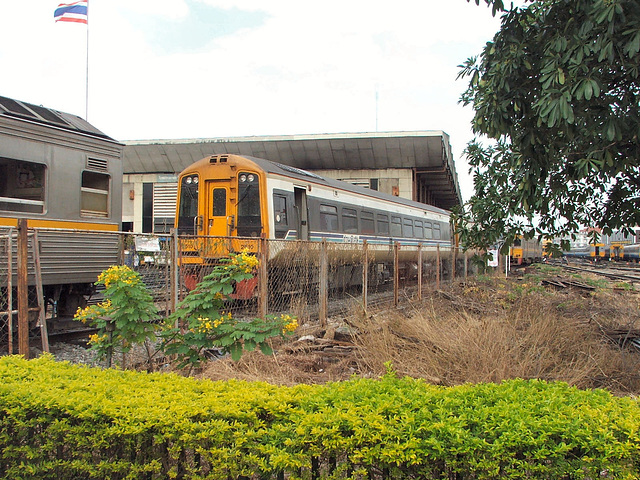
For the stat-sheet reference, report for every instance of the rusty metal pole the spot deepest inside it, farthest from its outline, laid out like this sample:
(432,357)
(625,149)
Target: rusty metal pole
(10,289)
(396,274)
(23,289)
(42,320)
(365,273)
(419,271)
(437,267)
(323,287)
(175,270)
(263,278)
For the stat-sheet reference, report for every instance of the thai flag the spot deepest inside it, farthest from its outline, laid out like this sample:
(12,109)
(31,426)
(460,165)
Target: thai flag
(72,12)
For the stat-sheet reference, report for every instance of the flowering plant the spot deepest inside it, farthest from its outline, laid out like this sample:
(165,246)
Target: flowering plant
(126,316)
(203,323)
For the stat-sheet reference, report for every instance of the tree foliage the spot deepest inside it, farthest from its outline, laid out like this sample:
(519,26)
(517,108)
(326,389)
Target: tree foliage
(558,92)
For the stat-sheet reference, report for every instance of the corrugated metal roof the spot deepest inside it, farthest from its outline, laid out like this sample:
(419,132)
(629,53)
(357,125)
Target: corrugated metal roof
(36,113)
(428,152)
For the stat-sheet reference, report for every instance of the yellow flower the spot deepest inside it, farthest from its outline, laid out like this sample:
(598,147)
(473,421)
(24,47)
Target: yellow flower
(290,323)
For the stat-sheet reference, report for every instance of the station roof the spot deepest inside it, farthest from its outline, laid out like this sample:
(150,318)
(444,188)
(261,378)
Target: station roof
(428,153)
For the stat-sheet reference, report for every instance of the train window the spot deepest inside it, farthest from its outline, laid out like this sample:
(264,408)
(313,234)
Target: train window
(280,209)
(428,233)
(396,227)
(22,186)
(383,224)
(418,230)
(249,218)
(407,228)
(219,202)
(328,218)
(436,231)
(188,205)
(517,242)
(368,227)
(94,194)
(349,220)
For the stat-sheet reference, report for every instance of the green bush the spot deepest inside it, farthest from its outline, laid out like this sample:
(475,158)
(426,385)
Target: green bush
(59,421)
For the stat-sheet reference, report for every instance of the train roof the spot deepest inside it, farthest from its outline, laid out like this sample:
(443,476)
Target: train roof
(36,113)
(305,176)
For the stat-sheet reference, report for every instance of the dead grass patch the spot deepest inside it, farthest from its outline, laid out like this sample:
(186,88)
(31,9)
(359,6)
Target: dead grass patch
(482,331)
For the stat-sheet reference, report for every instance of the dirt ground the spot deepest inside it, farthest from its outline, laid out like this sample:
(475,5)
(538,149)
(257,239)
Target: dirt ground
(540,323)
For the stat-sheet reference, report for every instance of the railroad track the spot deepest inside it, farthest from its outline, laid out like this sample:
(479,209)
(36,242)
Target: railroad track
(607,271)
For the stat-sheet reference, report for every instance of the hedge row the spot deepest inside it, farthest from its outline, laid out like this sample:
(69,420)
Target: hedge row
(59,421)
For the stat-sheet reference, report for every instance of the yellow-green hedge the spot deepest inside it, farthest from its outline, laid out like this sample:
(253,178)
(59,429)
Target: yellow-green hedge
(59,421)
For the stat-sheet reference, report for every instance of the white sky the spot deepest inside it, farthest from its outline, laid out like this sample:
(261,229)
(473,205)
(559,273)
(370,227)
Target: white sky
(169,69)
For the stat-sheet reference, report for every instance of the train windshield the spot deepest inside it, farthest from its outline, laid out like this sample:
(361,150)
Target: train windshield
(188,206)
(249,218)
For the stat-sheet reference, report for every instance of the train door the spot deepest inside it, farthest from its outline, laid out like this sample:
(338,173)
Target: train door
(218,210)
(300,205)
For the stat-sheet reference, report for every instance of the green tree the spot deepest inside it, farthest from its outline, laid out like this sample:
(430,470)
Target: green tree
(557,92)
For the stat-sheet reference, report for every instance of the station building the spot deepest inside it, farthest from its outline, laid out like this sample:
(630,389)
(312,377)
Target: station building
(416,165)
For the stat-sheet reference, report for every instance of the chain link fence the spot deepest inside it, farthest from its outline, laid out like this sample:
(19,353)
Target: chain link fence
(311,280)
(6,290)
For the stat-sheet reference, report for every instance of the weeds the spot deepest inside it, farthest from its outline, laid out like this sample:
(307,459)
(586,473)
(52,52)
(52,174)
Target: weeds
(488,330)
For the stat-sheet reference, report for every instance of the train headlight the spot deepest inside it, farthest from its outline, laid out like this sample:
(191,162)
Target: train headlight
(251,177)
(243,178)
(188,180)
(195,180)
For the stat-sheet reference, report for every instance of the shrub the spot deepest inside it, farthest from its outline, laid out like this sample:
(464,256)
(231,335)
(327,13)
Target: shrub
(202,323)
(59,421)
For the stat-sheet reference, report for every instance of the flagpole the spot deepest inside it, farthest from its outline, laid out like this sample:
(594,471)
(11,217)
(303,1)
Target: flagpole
(86,84)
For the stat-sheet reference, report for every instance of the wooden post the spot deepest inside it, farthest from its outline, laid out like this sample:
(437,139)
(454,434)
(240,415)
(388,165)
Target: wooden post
(263,278)
(365,273)
(466,265)
(23,289)
(437,267)
(396,273)
(323,286)
(419,271)
(454,251)
(10,289)
(42,320)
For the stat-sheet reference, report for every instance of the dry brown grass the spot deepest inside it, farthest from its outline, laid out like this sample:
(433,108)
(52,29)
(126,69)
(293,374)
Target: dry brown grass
(485,331)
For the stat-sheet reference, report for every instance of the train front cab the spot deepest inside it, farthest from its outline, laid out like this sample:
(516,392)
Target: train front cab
(597,252)
(221,210)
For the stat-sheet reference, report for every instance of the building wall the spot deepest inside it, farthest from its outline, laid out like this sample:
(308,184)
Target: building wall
(157,213)
(393,181)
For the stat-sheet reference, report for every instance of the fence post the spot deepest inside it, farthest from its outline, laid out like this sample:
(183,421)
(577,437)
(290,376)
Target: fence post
(323,287)
(175,270)
(263,278)
(42,321)
(437,267)
(10,289)
(454,256)
(466,265)
(365,273)
(419,271)
(23,289)
(396,274)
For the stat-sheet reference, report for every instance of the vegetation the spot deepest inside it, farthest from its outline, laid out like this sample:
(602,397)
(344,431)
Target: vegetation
(61,422)
(202,323)
(125,318)
(199,325)
(557,90)
(489,329)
